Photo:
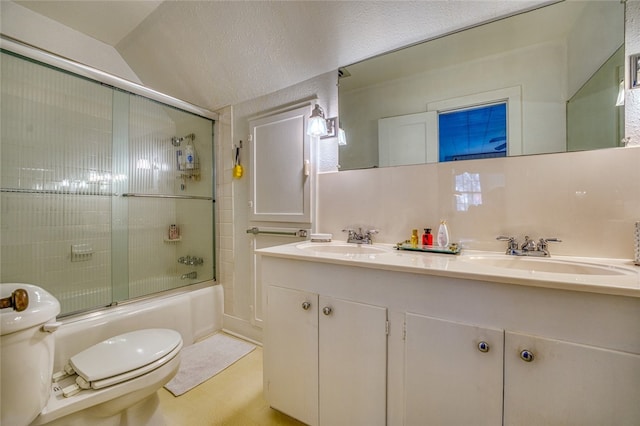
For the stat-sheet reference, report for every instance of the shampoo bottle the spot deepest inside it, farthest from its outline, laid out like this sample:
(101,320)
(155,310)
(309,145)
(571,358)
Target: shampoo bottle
(443,234)
(190,154)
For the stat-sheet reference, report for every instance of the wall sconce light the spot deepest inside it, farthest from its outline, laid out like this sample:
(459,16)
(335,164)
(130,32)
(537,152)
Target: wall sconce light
(620,100)
(342,137)
(319,126)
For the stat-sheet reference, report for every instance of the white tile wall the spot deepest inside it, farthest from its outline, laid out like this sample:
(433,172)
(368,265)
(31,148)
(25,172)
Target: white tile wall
(590,200)
(224,206)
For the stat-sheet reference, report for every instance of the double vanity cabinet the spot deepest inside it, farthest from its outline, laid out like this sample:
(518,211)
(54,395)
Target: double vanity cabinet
(405,338)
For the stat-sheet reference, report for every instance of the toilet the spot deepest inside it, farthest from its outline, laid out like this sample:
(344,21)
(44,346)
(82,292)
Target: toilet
(112,383)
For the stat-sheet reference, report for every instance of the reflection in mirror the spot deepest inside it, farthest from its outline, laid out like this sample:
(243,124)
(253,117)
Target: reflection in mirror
(543,81)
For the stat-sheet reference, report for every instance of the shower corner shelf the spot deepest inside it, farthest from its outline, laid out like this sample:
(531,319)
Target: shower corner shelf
(174,240)
(193,175)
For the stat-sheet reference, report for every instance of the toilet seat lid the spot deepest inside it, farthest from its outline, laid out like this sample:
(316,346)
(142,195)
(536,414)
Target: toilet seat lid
(124,353)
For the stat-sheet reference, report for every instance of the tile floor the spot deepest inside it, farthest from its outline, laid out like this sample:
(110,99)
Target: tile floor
(232,397)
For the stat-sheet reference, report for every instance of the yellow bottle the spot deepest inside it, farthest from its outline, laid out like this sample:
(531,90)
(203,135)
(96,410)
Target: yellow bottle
(414,238)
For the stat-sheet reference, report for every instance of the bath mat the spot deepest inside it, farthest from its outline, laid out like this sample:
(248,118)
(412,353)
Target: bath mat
(205,359)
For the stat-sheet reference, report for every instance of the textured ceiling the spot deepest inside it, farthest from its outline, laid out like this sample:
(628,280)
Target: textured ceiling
(218,53)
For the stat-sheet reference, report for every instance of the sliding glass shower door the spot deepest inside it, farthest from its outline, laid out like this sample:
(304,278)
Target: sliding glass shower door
(106,195)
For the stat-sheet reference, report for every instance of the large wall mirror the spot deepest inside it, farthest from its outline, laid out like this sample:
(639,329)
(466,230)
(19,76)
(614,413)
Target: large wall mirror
(538,82)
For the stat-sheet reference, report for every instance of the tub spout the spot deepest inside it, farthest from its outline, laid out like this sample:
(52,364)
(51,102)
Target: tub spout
(190,275)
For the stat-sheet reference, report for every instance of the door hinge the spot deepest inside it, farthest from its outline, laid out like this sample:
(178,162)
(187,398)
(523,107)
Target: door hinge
(404,330)
(386,327)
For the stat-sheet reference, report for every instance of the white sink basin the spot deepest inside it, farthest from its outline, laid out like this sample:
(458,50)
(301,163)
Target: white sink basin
(549,265)
(342,249)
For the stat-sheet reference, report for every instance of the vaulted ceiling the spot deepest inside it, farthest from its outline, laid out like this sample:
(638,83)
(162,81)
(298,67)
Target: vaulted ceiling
(218,53)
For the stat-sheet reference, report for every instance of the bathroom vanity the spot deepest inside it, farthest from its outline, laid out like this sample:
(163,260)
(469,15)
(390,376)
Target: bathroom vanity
(370,335)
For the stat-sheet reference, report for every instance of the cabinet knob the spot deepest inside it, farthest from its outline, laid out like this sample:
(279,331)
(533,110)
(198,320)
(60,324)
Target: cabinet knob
(327,310)
(526,355)
(483,347)
(306,305)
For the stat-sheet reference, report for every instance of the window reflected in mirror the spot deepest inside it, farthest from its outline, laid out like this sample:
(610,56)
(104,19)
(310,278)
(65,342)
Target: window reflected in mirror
(472,133)
(558,68)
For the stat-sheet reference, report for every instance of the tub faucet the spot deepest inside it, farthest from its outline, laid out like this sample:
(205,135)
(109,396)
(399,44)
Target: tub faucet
(189,275)
(359,237)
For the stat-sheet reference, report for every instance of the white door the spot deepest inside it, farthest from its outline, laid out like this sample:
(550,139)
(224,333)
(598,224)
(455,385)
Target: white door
(280,168)
(569,384)
(352,363)
(453,373)
(291,353)
(408,139)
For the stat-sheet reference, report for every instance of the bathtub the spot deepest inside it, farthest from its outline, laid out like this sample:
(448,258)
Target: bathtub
(194,313)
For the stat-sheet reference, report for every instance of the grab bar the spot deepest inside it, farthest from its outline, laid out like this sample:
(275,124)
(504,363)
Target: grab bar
(183,197)
(302,233)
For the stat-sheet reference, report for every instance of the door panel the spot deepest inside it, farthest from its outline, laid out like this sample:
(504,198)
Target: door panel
(448,380)
(569,384)
(291,353)
(280,168)
(353,363)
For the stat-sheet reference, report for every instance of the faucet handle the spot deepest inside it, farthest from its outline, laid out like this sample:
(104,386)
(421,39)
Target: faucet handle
(512,243)
(542,244)
(551,240)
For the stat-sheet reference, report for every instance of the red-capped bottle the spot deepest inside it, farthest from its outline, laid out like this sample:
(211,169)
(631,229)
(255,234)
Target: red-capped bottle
(427,237)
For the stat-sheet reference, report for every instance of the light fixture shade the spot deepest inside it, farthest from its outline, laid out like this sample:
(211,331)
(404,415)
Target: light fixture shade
(317,125)
(620,100)
(342,137)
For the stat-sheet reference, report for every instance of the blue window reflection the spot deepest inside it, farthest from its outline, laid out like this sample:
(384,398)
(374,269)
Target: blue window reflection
(479,132)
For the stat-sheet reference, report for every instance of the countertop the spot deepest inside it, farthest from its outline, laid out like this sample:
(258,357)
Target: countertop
(605,276)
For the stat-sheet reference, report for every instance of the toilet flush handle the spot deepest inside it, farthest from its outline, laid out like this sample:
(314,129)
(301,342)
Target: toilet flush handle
(52,326)
(18,300)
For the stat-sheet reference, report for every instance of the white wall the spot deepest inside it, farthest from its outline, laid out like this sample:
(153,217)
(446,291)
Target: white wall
(29,27)
(238,284)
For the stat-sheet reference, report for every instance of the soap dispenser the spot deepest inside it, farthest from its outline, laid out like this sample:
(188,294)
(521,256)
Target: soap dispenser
(443,234)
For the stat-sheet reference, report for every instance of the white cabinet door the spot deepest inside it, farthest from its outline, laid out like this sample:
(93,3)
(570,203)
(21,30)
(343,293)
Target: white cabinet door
(569,384)
(448,379)
(280,168)
(353,363)
(291,353)
(408,139)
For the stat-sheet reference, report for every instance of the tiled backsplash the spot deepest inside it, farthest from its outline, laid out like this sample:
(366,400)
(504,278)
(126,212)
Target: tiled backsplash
(590,200)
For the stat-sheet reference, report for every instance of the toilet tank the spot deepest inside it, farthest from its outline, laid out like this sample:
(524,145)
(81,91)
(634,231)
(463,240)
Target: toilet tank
(26,355)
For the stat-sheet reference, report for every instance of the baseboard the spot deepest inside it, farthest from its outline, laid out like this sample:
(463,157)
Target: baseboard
(241,328)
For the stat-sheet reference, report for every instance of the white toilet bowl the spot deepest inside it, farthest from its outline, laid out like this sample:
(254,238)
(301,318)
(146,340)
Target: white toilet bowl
(118,378)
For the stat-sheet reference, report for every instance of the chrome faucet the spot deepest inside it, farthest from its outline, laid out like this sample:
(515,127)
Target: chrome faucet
(529,247)
(189,276)
(359,237)
(191,260)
